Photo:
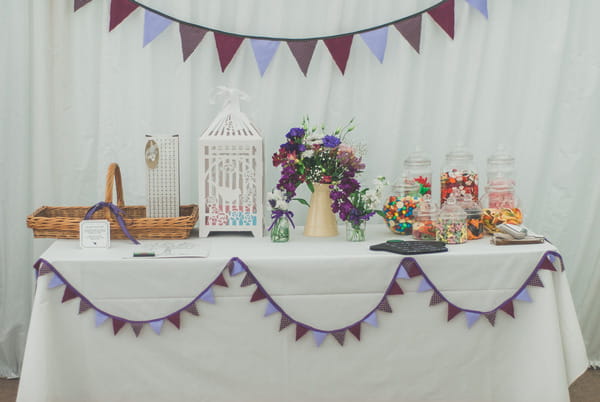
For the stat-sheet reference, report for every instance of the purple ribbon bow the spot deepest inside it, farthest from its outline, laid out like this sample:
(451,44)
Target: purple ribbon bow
(118,214)
(276,214)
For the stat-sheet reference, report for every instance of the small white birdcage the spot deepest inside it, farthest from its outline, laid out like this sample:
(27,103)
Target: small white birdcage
(231,172)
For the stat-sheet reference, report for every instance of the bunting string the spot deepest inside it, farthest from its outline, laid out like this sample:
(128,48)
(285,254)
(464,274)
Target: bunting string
(408,269)
(264,47)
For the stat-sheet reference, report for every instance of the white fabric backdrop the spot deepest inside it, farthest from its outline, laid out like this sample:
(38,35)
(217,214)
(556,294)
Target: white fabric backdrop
(76,97)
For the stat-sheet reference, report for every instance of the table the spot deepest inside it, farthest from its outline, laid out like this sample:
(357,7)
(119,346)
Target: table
(234,350)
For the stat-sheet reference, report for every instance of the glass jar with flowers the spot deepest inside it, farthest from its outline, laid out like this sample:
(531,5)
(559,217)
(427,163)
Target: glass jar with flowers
(281,216)
(357,207)
(324,162)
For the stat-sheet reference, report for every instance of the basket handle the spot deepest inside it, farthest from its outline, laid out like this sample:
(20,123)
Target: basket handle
(114,176)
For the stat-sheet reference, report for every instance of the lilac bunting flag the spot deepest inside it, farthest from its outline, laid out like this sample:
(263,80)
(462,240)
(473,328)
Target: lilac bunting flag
(100,318)
(472,317)
(237,268)
(270,309)
(55,282)
(208,296)
(376,40)
(371,319)
(424,286)
(551,258)
(524,296)
(264,50)
(154,25)
(480,5)
(156,326)
(402,274)
(319,337)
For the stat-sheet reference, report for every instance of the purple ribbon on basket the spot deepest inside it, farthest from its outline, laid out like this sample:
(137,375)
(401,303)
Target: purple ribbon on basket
(277,214)
(118,214)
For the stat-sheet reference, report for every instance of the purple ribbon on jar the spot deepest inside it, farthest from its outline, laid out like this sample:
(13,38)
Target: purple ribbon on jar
(118,214)
(277,214)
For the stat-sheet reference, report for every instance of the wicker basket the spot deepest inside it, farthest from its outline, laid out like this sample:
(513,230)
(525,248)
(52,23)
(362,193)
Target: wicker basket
(63,222)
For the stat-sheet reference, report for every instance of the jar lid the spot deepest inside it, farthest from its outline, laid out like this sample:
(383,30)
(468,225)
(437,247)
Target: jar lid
(468,204)
(501,156)
(452,211)
(417,158)
(427,207)
(406,185)
(460,153)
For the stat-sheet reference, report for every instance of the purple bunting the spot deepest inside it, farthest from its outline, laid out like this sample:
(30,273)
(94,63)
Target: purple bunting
(55,282)
(411,30)
(376,40)
(319,337)
(270,309)
(472,317)
(524,296)
(154,25)
(100,318)
(339,47)
(303,50)
(137,328)
(551,258)
(44,269)
(227,46)
(371,319)
(77,4)
(443,15)
(480,5)
(436,299)
(264,50)
(84,306)
(156,326)
(191,36)
(424,286)
(119,10)
(208,296)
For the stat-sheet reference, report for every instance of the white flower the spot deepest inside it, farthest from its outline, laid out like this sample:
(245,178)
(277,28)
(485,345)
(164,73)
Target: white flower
(278,199)
(307,154)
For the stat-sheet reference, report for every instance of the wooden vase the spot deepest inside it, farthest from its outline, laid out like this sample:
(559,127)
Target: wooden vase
(320,221)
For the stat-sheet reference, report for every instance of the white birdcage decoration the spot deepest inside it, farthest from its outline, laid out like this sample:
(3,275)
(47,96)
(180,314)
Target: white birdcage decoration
(231,172)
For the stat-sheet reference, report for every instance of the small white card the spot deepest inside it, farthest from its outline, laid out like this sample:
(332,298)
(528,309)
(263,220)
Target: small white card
(94,233)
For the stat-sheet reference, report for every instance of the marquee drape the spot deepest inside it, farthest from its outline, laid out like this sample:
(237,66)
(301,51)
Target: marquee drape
(76,98)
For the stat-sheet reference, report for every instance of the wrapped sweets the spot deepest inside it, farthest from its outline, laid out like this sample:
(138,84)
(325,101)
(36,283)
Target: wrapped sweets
(424,226)
(459,176)
(400,208)
(452,223)
(494,216)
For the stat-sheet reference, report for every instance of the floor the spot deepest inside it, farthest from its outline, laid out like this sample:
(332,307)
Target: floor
(585,389)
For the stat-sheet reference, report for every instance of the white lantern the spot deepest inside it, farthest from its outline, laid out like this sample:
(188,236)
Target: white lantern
(231,172)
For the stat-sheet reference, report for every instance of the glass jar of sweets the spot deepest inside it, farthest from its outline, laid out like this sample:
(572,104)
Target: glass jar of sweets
(418,167)
(459,176)
(425,224)
(500,205)
(474,217)
(452,223)
(399,210)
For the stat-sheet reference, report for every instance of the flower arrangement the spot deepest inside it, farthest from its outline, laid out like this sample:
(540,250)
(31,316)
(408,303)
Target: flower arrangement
(310,155)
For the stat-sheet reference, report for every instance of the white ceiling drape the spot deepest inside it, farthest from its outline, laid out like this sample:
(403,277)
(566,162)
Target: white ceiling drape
(76,97)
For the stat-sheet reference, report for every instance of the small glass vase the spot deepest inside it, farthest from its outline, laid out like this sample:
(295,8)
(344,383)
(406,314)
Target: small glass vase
(280,232)
(356,232)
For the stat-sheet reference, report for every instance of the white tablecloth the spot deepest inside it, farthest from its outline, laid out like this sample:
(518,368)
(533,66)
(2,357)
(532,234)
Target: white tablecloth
(233,352)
